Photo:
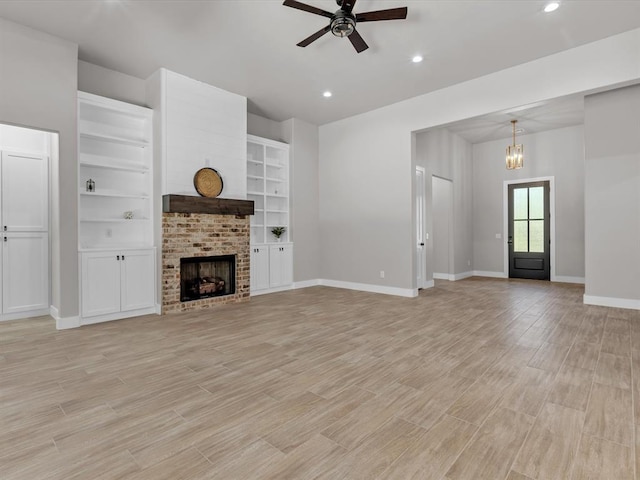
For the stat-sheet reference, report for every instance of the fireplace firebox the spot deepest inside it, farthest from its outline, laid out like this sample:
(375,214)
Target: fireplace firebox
(204,277)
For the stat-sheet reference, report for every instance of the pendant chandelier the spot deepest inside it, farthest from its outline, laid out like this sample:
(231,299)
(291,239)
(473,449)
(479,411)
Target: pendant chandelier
(515,153)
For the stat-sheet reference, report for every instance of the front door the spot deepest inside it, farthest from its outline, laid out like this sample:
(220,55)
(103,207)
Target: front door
(529,236)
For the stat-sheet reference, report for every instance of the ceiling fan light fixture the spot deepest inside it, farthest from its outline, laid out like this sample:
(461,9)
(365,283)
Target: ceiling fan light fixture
(343,26)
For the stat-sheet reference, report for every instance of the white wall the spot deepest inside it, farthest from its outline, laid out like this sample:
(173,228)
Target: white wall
(555,153)
(111,84)
(304,198)
(38,88)
(366,169)
(447,155)
(612,188)
(201,126)
(265,128)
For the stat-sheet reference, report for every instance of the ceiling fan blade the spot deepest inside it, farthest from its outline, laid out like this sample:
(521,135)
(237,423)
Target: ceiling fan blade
(314,37)
(347,5)
(307,8)
(358,43)
(390,14)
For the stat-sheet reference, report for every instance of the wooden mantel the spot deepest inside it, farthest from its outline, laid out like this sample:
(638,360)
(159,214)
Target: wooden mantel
(213,206)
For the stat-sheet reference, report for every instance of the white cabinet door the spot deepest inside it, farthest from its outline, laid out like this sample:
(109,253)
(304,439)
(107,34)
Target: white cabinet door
(100,283)
(25,192)
(137,274)
(259,268)
(280,265)
(25,272)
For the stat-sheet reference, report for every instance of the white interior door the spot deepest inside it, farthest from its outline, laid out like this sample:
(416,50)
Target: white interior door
(25,193)
(421,259)
(25,272)
(442,228)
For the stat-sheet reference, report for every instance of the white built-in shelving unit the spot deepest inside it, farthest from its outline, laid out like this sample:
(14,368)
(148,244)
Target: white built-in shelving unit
(116,214)
(268,187)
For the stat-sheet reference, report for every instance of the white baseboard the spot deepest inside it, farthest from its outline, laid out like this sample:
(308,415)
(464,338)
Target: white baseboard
(564,279)
(442,276)
(67,322)
(629,303)
(117,316)
(6,317)
(462,276)
(158,309)
(306,283)
(480,273)
(255,293)
(365,287)
(429,284)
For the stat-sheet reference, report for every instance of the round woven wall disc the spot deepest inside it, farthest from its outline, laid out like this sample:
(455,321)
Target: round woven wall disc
(208,182)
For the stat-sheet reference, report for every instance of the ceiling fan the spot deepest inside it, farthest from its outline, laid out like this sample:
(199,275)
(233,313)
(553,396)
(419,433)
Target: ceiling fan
(343,21)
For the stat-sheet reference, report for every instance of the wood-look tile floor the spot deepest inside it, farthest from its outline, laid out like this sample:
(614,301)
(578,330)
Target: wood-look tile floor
(477,379)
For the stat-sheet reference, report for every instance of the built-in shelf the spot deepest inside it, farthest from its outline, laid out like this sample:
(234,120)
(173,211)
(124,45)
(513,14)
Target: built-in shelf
(275,165)
(114,194)
(276,195)
(113,220)
(124,168)
(115,160)
(255,177)
(112,139)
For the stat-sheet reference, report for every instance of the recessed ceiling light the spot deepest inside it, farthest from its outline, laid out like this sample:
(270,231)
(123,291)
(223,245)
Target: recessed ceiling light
(417,59)
(327,94)
(551,7)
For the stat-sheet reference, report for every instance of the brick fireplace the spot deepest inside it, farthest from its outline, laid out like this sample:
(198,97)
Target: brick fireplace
(203,227)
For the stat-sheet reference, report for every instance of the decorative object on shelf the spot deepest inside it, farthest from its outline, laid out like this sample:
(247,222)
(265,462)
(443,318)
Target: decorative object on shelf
(208,182)
(128,215)
(515,153)
(278,231)
(91,186)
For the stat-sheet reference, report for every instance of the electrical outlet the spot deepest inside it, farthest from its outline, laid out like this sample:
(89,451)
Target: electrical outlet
(427,235)
(109,233)
(498,235)
(381,273)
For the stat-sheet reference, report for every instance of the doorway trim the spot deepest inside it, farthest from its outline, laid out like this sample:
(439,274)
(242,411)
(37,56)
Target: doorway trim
(552,221)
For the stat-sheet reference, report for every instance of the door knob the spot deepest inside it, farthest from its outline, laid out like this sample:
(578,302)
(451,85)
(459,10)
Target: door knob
(510,241)
(422,244)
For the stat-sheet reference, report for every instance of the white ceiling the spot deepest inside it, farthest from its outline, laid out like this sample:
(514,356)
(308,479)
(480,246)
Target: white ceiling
(536,118)
(249,46)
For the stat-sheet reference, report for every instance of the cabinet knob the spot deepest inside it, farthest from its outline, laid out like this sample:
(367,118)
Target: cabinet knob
(5,228)
(117,257)
(5,239)
(122,257)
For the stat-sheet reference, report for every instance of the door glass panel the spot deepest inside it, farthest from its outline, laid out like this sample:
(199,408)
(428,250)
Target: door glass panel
(536,202)
(520,236)
(536,236)
(520,204)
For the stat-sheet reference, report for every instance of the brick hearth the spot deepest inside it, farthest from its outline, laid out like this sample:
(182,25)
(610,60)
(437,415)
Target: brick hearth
(203,235)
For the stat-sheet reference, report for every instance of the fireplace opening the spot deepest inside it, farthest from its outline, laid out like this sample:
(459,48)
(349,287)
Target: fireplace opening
(204,277)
